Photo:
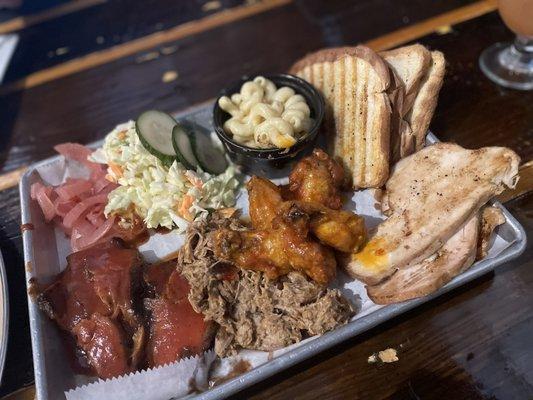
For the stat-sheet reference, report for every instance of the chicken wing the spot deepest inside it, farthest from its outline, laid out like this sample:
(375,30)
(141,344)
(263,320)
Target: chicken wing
(277,251)
(316,179)
(265,200)
(342,230)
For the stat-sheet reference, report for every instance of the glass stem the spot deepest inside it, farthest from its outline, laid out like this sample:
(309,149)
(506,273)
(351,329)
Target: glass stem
(523,44)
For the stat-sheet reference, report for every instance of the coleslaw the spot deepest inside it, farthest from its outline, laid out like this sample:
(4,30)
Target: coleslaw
(162,196)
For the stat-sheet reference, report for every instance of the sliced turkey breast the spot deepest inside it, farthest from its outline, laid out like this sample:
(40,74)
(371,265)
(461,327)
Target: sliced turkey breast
(423,278)
(430,195)
(491,218)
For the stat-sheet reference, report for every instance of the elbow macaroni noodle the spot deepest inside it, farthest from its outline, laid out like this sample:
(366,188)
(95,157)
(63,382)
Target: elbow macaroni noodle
(263,116)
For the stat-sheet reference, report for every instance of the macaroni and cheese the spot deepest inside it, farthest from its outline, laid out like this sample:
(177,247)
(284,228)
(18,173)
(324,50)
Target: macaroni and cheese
(264,116)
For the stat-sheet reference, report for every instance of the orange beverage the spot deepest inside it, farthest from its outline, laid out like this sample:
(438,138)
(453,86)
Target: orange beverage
(518,16)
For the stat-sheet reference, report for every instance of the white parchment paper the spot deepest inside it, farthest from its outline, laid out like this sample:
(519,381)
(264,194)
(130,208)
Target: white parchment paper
(161,383)
(175,380)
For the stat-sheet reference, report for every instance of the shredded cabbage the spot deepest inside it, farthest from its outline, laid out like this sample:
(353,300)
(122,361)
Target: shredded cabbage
(163,196)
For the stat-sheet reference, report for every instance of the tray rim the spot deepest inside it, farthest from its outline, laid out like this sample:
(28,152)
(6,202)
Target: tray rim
(293,356)
(4,339)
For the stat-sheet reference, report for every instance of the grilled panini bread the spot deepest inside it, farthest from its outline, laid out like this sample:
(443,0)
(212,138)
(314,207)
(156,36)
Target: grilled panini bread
(353,82)
(401,141)
(419,117)
(408,68)
(410,64)
(421,73)
(425,277)
(430,195)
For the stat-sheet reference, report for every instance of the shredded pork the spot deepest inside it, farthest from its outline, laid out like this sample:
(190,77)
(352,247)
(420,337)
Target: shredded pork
(252,311)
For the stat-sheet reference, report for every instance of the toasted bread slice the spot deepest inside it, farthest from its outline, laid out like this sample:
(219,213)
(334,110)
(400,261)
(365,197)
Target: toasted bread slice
(423,278)
(353,82)
(410,64)
(398,126)
(419,117)
(402,140)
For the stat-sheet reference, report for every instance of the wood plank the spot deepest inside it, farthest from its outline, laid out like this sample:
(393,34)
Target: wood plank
(473,343)
(472,110)
(470,344)
(142,44)
(18,23)
(11,179)
(524,186)
(18,369)
(101,27)
(431,25)
(86,105)
(22,394)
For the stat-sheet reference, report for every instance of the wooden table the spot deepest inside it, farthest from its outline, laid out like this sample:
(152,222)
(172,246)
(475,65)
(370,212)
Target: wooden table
(81,67)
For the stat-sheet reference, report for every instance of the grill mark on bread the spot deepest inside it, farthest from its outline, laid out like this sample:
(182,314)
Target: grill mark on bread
(305,74)
(327,90)
(337,105)
(349,118)
(359,140)
(358,149)
(316,78)
(366,139)
(334,54)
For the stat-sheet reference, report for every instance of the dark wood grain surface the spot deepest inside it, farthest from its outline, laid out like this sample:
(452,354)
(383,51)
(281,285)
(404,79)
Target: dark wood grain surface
(91,102)
(28,8)
(473,343)
(100,27)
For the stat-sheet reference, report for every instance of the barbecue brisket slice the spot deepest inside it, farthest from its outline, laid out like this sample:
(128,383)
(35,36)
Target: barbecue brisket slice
(96,299)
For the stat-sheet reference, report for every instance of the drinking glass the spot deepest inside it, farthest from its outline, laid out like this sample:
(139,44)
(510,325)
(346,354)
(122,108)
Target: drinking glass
(511,64)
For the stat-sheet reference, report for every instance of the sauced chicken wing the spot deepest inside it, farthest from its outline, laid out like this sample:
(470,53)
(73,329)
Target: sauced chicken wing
(277,251)
(316,179)
(265,201)
(283,217)
(342,230)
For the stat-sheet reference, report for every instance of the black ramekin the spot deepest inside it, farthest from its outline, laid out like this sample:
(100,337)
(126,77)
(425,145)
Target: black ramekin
(271,163)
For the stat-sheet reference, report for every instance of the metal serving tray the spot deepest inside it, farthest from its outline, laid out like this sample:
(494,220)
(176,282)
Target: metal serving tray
(4,316)
(52,372)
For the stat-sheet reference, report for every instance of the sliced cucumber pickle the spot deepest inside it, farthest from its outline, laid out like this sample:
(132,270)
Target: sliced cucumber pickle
(210,157)
(154,129)
(183,148)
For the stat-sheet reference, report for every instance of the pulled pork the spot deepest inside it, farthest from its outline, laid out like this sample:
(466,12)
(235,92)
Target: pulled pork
(252,311)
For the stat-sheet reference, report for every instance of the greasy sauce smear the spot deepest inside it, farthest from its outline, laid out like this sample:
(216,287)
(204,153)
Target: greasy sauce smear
(373,256)
(193,387)
(33,289)
(139,239)
(26,227)
(171,256)
(162,230)
(238,368)
(144,236)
